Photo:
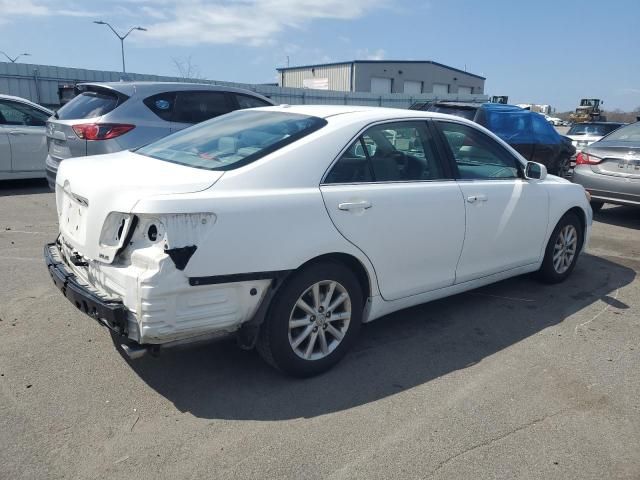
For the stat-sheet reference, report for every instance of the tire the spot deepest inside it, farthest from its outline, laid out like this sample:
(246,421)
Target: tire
(596,206)
(287,349)
(552,270)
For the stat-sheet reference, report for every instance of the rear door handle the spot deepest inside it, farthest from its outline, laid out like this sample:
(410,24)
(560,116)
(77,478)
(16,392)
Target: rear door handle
(17,132)
(476,198)
(354,205)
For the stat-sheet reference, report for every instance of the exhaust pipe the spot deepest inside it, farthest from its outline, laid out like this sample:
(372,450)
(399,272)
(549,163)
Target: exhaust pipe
(134,351)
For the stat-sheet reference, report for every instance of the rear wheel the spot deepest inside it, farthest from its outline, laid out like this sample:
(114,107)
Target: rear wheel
(314,320)
(562,250)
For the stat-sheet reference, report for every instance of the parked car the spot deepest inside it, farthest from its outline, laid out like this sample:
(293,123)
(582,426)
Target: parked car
(555,121)
(526,131)
(23,145)
(609,169)
(291,226)
(584,134)
(109,117)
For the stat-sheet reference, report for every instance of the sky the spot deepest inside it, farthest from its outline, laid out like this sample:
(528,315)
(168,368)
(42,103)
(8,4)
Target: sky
(542,51)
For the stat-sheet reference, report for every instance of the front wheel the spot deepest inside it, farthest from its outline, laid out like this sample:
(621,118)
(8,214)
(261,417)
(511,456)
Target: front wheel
(562,250)
(314,320)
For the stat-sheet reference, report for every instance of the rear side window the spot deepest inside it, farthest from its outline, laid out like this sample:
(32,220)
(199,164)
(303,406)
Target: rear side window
(245,101)
(512,127)
(544,132)
(162,104)
(196,107)
(90,104)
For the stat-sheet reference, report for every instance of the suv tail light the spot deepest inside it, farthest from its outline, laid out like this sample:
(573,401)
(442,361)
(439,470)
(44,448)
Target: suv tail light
(586,159)
(101,131)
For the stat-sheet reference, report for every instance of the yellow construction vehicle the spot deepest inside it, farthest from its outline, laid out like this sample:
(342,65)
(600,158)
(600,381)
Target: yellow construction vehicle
(588,111)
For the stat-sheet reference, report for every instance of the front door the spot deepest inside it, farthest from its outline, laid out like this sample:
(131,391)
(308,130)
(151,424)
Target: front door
(506,215)
(392,197)
(25,128)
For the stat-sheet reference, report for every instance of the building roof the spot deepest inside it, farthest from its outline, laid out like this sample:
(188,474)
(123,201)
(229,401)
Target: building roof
(298,67)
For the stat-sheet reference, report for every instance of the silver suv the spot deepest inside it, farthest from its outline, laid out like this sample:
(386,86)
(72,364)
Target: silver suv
(109,117)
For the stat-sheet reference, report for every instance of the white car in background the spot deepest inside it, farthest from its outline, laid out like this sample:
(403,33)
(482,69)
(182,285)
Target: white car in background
(584,134)
(291,226)
(23,141)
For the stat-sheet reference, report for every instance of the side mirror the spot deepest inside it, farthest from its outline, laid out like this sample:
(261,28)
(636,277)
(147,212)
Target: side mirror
(535,171)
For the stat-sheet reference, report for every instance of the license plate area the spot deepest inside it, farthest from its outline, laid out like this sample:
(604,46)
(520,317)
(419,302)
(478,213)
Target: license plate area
(73,219)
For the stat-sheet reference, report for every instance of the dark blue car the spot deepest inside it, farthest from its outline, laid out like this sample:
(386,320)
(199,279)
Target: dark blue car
(528,132)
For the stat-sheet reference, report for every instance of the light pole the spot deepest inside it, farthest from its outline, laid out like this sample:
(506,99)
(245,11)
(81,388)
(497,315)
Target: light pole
(121,37)
(13,60)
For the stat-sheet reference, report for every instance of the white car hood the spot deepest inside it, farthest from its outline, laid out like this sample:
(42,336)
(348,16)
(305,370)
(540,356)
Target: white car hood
(89,188)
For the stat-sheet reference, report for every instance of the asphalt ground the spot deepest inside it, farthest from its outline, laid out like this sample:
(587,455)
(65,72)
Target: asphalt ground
(514,380)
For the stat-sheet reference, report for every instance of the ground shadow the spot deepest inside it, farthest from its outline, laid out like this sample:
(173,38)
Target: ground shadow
(23,187)
(621,216)
(396,353)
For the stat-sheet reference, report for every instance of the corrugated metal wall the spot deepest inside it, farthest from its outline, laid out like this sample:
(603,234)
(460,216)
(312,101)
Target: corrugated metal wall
(39,83)
(339,76)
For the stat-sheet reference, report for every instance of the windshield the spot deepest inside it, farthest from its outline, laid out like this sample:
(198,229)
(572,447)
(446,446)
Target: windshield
(468,113)
(592,129)
(233,140)
(629,133)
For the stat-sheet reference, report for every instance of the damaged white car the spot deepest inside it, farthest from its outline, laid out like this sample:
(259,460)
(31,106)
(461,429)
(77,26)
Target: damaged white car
(291,226)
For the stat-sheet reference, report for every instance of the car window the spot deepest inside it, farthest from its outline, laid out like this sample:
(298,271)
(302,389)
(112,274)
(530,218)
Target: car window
(478,156)
(196,107)
(14,113)
(246,101)
(543,131)
(228,142)
(89,104)
(629,133)
(512,127)
(162,104)
(391,152)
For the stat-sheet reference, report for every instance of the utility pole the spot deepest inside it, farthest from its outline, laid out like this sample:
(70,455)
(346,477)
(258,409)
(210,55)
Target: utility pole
(121,37)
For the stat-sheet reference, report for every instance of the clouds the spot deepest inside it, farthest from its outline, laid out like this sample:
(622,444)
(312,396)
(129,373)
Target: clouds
(196,22)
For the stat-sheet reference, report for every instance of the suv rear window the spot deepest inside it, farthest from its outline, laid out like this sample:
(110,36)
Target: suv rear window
(90,104)
(468,113)
(233,140)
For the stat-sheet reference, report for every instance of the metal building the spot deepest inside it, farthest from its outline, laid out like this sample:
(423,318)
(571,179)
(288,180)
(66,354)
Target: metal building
(384,76)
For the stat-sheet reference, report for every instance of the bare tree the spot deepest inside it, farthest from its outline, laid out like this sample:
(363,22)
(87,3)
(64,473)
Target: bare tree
(186,68)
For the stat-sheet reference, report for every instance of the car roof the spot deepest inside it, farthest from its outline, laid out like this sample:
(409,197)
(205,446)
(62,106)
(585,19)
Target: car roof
(360,112)
(150,88)
(25,101)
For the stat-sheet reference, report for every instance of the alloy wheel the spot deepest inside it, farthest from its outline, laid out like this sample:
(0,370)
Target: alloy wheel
(564,250)
(319,320)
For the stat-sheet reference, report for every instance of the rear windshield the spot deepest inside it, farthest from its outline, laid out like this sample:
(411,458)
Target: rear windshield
(468,113)
(629,133)
(89,104)
(597,129)
(232,140)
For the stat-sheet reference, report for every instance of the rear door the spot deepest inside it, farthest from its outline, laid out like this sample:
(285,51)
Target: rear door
(506,215)
(25,128)
(391,195)
(193,107)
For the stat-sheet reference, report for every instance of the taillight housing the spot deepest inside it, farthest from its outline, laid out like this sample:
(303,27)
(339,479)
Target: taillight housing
(101,131)
(584,158)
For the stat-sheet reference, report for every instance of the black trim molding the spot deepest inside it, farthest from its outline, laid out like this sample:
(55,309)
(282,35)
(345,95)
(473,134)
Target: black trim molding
(237,277)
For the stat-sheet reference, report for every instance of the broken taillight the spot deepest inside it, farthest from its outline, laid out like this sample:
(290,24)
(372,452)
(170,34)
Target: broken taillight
(101,131)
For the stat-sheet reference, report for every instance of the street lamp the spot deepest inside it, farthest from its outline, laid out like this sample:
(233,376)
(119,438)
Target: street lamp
(121,37)
(13,60)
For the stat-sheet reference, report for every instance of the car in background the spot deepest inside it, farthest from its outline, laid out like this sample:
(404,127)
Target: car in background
(610,168)
(526,131)
(110,117)
(290,226)
(23,144)
(555,121)
(584,134)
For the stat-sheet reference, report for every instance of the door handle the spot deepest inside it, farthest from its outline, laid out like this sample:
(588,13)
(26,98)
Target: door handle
(17,132)
(354,205)
(476,198)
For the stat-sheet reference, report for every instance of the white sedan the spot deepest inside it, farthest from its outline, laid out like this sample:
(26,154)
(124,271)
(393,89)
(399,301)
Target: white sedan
(290,226)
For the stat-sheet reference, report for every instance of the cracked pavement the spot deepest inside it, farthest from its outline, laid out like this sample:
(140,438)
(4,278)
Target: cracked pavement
(513,381)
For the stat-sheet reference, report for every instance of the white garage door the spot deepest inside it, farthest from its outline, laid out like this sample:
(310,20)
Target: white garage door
(380,85)
(465,90)
(440,88)
(411,86)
